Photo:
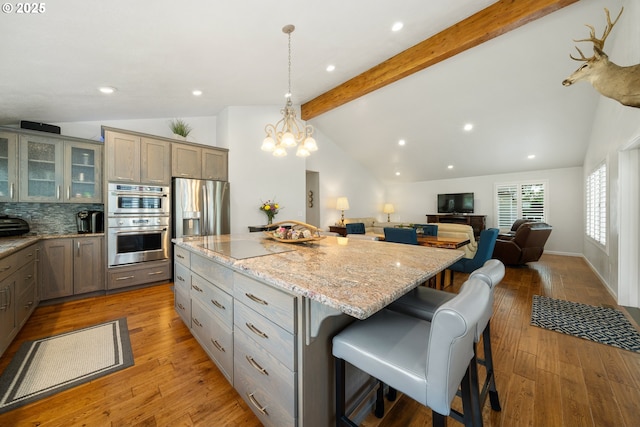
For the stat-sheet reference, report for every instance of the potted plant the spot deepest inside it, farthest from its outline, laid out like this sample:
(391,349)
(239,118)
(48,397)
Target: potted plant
(180,128)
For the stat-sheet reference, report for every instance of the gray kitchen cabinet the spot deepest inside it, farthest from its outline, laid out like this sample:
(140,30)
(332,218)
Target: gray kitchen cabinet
(41,169)
(138,274)
(201,162)
(122,157)
(155,167)
(137,159)
(18,292)
(71,266)
(8,167)
(55,170)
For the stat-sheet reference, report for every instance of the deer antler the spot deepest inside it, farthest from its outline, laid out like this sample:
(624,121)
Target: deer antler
(597,42)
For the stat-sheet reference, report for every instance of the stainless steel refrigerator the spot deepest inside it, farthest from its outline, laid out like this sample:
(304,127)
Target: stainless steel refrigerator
(200,207)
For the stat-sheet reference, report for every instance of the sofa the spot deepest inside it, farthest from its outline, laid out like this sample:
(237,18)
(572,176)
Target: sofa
(374,227)
(527,245)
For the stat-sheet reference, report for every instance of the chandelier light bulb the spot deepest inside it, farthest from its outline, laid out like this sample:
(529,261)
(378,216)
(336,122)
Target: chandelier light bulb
(288,140)
(310,144)
(279,151)
(302,151)
(268,144)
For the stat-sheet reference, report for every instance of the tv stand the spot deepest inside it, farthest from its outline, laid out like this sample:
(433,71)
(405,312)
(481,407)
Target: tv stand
(477,222)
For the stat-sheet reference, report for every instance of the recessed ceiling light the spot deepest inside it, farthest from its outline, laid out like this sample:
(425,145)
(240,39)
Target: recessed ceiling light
(397,26)
(197,92)
(397,173)
(531,156)
(107,89)
(402,142)
(450,167)
(468,127)
(330,68)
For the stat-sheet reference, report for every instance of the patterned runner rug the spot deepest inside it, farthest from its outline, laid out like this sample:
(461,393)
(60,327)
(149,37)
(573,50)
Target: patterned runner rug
(47,366)
(600,324)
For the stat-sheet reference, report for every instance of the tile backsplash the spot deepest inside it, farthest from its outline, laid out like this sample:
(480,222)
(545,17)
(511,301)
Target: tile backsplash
(48,218)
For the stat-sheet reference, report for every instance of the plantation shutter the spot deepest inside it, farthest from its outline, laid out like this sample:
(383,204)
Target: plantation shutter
(532,197)
(596,208)
(507,203)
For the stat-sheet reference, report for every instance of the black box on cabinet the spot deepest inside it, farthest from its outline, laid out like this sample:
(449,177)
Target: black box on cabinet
(42,127)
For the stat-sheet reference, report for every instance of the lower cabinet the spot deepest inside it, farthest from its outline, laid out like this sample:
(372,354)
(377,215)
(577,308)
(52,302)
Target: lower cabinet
(71,266)
(18,292)
(138,274)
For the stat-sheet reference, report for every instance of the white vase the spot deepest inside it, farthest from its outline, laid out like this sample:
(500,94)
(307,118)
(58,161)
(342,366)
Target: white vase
(180,137)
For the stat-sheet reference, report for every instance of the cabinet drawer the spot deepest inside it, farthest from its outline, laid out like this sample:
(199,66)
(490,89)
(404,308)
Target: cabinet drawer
(275,305)
(181,277)
(263,404)
(26,279)
(215,273)
(270,336)
(13,262)
(139,275)
(256,367)
(216,300)
(181,255)
(215,338)
(26,304)
(182,305)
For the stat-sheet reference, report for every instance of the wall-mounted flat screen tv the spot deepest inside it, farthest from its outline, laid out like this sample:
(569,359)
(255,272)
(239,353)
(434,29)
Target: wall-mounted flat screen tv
(455,203)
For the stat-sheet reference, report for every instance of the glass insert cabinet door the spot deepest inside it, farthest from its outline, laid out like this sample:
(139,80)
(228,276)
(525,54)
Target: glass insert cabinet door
(82,172)
(8,167)
(40,169)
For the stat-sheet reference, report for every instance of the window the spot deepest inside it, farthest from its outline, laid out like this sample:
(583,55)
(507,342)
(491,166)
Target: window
(596,209)
(520,200)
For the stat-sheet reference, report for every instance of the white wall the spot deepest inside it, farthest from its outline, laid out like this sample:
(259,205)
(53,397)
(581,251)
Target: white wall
(614,126)
(204,128)
(565,202)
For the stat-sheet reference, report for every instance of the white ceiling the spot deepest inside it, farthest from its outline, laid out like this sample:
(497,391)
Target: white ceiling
(156,53)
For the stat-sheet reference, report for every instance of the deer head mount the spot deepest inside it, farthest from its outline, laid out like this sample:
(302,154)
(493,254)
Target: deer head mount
(611,80)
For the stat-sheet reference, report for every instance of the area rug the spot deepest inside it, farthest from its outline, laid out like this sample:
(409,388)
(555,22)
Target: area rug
(47,366)
(600,324)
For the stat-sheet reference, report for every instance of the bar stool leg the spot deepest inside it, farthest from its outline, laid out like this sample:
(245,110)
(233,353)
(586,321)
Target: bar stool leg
(488,359)
(476,400)
(341,416)
(379,412)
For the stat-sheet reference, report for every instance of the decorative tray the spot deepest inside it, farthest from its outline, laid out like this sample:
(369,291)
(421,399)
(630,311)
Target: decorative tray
(296,228)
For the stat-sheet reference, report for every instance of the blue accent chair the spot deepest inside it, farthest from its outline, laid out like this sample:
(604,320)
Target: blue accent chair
(427,229)
(483,254)
(401,235)
(355,228)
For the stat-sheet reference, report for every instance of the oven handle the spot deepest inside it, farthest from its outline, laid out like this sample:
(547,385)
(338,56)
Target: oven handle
(139,231)
(139,194)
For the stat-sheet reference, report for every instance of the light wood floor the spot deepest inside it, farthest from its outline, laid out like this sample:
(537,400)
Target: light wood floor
(544,378)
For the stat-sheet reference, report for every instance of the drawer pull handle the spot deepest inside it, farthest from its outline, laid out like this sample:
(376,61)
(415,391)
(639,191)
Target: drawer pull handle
(180,278)
(125,277)
(196,288)
(256,366)
(6,268)
(256,331)
(28,305)
(217,304)
(179,256)
(181,307)
(256,299)
(28,277)
(255,403)
(218,346)
(155,272)
(196,322)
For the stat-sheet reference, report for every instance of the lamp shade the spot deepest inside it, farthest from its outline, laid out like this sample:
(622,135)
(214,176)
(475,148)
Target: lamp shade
(342,203)
(388,208)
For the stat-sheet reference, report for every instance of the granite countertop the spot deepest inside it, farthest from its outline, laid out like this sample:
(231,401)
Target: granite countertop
(9,245)
(358,278)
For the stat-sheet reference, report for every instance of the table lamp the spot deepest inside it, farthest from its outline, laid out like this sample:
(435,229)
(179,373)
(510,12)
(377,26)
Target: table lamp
(342,204)
(388,209)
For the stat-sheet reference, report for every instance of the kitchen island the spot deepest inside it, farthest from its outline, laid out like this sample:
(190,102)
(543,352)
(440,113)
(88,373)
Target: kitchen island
(266,311)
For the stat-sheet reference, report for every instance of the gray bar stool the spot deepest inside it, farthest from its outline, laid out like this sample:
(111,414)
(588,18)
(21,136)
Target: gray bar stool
(427,361)
(422,302)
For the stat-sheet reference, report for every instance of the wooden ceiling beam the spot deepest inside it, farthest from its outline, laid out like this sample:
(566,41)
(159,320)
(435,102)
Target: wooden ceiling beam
(497,19)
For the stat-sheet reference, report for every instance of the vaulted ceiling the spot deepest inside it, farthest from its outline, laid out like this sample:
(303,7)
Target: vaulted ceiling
(157,53)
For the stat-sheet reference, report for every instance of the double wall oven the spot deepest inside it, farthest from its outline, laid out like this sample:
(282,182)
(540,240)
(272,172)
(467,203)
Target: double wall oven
(138,223)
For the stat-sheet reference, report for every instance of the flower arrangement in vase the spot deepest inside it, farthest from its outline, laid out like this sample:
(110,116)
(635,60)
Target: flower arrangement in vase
(271,209)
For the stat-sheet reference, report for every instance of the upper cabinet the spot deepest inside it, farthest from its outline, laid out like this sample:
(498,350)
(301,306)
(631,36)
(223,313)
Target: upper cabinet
(192,161)
(56,170)
(8,167)
(136,159)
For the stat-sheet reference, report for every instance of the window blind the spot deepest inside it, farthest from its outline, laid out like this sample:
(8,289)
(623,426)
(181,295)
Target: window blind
(596,208)
(520,200)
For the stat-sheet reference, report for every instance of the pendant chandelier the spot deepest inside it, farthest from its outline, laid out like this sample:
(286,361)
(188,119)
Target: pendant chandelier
(288,131)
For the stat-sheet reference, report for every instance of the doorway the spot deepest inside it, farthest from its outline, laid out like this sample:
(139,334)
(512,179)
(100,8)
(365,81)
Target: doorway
(629,236)
(312,198)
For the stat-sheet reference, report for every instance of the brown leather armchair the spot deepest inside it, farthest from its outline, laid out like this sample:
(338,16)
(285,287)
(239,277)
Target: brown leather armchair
(514,227)
(526,246)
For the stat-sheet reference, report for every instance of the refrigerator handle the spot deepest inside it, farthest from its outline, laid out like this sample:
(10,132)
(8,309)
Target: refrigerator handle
(205,209)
